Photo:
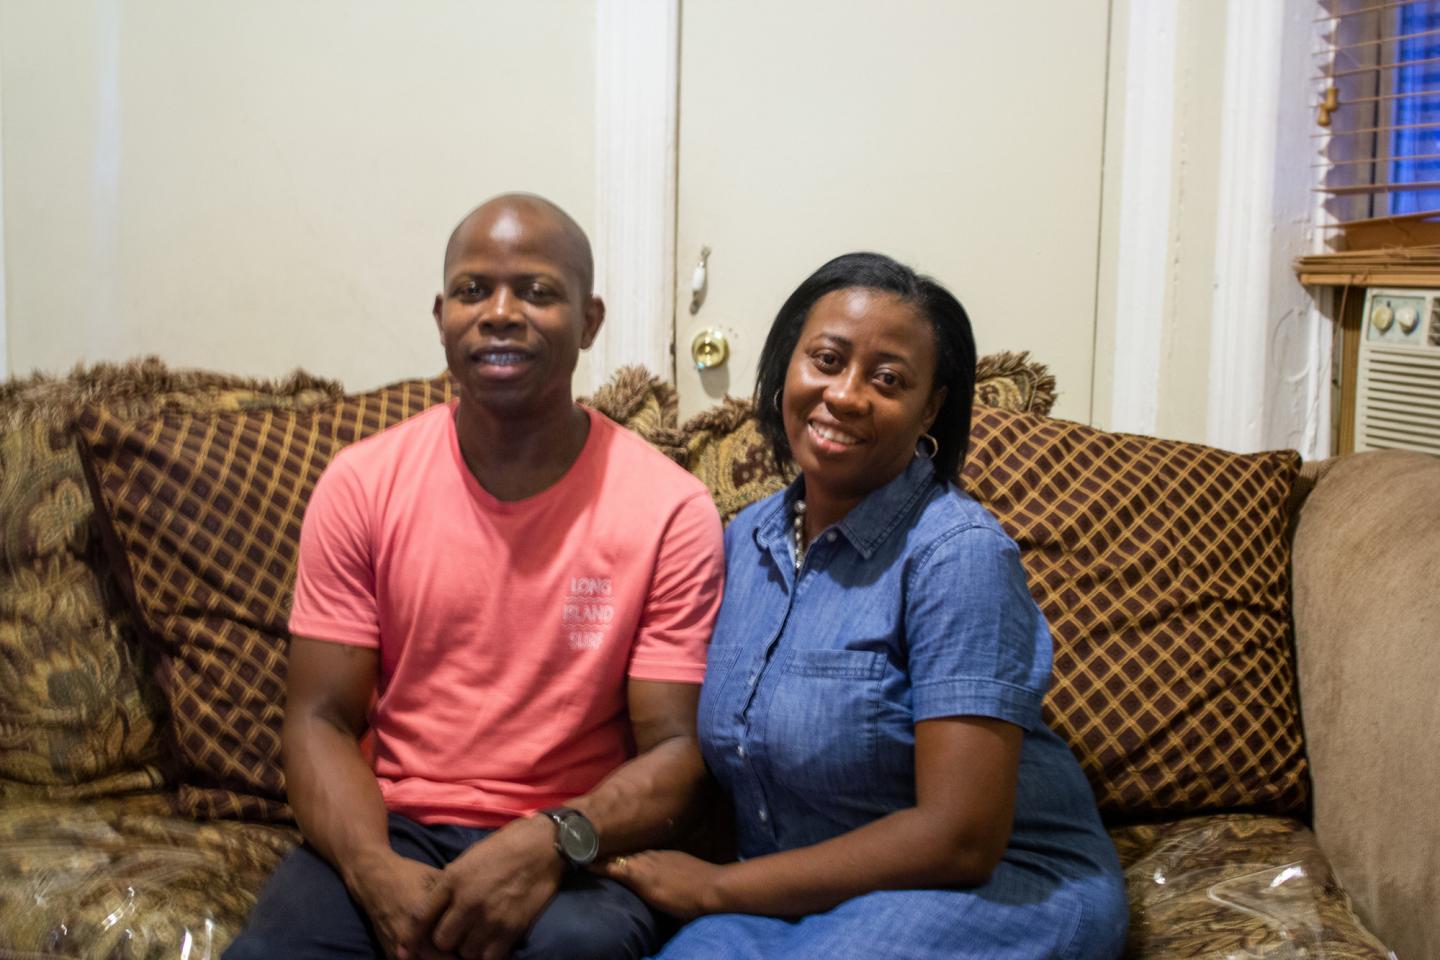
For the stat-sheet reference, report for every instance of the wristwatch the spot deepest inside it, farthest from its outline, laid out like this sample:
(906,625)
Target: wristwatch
(575,837)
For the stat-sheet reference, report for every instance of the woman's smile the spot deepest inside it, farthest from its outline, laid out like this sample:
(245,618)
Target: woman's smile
(832,439)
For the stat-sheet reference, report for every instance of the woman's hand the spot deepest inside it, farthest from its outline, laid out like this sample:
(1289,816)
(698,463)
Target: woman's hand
(676,883)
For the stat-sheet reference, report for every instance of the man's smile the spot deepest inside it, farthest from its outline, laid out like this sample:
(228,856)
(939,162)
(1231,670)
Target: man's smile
(501,361)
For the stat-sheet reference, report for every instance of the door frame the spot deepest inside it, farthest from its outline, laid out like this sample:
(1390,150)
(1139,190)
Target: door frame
(637,97)
(1271,343)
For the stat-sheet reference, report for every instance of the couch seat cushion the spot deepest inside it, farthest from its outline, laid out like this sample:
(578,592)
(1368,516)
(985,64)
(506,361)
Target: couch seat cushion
(125,880)
(1236,886)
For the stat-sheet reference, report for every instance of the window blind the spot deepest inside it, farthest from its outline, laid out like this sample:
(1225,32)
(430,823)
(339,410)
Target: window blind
(1377,115)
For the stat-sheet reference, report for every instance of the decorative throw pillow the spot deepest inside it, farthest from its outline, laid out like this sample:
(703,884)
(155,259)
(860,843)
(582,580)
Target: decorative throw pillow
(1012,381)
(78,713)
(1163,570)
(201,515)
(640,401)
(723,446)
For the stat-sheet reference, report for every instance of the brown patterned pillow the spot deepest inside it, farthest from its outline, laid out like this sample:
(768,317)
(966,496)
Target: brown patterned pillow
(202,516)
(1163,570)
(640,401)
(1012,381)
(78,714)
(723,446)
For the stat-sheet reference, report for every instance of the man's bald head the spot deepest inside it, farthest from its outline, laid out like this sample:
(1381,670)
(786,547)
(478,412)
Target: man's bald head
(534,221)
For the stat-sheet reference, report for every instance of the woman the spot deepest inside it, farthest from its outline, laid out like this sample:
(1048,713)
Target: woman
(872,704)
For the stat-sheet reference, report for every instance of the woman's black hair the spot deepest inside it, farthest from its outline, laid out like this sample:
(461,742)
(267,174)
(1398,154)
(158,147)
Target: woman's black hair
(954,357)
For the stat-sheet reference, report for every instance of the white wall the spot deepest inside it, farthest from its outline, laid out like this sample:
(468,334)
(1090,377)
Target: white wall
(1242,357)
(262,186)
(252,187)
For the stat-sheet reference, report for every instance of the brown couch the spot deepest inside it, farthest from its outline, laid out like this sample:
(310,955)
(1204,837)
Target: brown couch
(141,804)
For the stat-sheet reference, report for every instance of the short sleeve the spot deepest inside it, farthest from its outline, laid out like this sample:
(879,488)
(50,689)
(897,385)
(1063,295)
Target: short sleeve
(978,644)
(335,579)
(683,598)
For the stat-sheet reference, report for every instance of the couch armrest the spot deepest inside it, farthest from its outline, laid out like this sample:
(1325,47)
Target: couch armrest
(1367,633)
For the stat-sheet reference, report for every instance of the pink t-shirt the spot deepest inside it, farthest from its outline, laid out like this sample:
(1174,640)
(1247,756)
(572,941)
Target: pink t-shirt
(506,630)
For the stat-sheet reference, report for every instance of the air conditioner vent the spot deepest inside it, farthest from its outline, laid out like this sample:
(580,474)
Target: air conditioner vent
(1397,403)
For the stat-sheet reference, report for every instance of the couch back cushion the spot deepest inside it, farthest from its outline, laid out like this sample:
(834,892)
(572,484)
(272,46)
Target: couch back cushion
(1163,568)
(202,516)
(78,712)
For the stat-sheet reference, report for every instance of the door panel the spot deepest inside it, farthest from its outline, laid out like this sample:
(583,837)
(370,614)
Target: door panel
(962,138)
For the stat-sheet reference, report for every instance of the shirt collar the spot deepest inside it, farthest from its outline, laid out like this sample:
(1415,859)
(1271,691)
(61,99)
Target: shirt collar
(866,526)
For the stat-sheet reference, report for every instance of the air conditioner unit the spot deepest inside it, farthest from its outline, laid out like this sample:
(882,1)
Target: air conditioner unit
(1397,395)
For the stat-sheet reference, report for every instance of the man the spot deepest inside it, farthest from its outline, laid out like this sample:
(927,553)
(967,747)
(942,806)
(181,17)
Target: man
(513,596)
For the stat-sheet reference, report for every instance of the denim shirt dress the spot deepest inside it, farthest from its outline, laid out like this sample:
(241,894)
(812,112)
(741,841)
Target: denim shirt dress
(913,607)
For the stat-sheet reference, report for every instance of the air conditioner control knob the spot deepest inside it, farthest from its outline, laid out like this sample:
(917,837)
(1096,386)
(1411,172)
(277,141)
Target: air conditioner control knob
(1407,318)
(1382,317)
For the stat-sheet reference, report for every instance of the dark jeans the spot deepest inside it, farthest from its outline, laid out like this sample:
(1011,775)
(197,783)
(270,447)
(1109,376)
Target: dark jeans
(305,912)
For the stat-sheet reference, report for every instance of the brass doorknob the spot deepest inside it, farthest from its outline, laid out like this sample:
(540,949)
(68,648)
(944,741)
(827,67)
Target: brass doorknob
(709,349)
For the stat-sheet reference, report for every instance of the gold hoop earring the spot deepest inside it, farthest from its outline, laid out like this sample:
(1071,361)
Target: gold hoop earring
(934,446)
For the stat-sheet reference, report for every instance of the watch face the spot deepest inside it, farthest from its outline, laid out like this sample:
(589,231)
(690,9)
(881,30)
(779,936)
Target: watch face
(577,840)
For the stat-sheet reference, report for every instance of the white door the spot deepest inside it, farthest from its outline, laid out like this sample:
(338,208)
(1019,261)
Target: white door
(962,137)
